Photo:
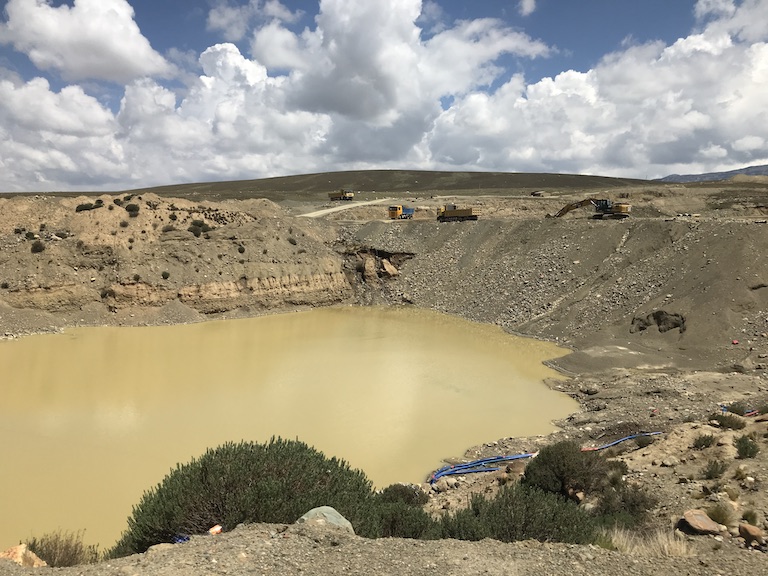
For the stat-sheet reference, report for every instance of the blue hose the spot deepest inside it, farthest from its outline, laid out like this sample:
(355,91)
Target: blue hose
(482,464)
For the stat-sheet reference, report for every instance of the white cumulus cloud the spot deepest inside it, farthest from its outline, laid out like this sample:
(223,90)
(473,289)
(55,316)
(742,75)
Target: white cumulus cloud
(93,39)
(527,7)
(233,20)
(367,86)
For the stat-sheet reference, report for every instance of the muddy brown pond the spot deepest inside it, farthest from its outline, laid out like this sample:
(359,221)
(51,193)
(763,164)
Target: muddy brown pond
(93,417)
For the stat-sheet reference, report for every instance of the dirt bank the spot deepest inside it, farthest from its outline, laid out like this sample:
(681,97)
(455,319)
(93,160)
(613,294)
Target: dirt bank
(666,313)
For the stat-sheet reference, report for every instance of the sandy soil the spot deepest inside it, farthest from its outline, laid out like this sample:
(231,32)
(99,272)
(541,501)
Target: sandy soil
(666,314)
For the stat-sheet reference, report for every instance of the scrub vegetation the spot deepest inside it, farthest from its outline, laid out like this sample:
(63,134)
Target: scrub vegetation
(279,481)
(60,549)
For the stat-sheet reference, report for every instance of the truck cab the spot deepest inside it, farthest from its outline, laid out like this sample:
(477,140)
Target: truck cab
(398,212)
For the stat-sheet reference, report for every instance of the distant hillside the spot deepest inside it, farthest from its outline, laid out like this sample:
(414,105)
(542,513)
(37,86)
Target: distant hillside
(314,186)
(714,176)
(391,181)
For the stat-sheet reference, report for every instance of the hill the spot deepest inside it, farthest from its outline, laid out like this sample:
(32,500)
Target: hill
(717,176)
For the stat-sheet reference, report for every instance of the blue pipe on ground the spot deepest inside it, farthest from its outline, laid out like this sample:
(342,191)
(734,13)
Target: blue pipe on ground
(481,465)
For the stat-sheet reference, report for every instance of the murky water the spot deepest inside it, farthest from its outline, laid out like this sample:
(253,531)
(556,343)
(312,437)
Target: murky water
(92,418)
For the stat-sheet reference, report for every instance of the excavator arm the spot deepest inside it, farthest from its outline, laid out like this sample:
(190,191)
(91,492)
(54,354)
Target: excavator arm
(573,206)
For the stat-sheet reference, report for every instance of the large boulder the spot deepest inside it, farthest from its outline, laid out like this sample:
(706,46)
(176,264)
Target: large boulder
(23,556)
(326,516)
(699,522)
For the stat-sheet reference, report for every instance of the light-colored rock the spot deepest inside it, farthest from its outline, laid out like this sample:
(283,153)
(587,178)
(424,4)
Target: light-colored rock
(324,516)
(369,269)
(441,486)
(389,268)
(23,556)
(700,522)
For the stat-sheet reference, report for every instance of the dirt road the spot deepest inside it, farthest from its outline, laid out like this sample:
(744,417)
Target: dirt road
(343,206)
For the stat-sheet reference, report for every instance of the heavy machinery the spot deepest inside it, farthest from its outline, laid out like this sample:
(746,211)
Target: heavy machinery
(342,194)
(604,209)
(450,213)
(399,212)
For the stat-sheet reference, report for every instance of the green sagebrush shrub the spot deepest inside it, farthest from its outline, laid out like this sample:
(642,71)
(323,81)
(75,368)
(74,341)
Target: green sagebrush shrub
(703,441)
(379,519)
(405,493)
(275,482)
(729,421)
(746,446)
(522,512)
(565,470)
(397,511)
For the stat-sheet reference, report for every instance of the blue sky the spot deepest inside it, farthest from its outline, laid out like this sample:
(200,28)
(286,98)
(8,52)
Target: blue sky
(117,94)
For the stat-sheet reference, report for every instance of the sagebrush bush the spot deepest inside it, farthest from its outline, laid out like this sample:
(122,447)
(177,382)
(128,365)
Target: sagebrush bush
(703,441)
(746,447)
(405,493)
(623,505)
(275,482)
(722,513)
(521,512)
(739,407)
(37,246)
(751,517)
(381,519)
(730,421)
(62,549)
(644,441)
(714,469)
(562,468)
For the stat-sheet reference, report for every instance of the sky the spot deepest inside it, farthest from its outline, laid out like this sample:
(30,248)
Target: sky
(121,94)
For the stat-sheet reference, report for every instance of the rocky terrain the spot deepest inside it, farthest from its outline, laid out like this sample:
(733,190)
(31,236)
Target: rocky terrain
(666,314)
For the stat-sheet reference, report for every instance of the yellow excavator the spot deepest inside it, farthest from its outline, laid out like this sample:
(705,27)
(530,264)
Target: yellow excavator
(604,209)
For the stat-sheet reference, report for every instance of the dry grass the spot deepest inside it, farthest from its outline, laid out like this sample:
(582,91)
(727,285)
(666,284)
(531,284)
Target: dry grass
(62,549)
(652,544)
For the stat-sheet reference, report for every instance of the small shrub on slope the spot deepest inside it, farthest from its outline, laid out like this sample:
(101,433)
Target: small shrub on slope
(522,512)
(275,482)
(62,549)
(746,447)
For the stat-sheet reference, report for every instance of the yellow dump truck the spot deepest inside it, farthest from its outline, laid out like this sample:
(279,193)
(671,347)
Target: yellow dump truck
(343,194)
(399,212)
(451,213)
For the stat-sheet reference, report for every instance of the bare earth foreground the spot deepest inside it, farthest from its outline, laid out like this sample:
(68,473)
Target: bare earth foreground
(666,313)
